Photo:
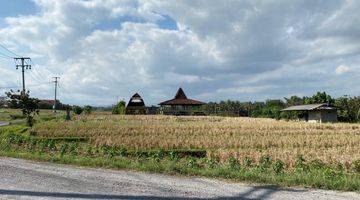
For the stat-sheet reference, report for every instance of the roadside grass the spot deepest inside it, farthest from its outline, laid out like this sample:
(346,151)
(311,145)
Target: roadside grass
(312,179)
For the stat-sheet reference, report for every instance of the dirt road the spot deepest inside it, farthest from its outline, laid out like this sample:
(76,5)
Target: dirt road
(21,179)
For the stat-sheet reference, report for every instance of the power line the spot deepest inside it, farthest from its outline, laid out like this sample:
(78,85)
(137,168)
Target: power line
(8,50)
(5,55)
(19,86)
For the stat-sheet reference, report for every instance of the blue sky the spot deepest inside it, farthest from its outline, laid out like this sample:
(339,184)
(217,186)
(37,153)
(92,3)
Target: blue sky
(217,50)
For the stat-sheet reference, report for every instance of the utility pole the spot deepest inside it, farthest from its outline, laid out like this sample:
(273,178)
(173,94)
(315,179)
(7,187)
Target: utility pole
(56,85)
(23,67)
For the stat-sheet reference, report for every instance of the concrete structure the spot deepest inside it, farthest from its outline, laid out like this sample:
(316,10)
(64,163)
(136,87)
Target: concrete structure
(315,112)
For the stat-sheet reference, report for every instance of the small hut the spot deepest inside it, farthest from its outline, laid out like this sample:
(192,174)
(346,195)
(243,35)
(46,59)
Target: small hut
(136,106)
(315,112)
(181,105)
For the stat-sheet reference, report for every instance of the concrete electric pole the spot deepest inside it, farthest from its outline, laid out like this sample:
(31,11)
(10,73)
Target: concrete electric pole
(55,98)
(23,67)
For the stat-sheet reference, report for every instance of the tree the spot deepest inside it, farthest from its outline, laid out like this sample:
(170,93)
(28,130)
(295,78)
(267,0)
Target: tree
(119,108)
(319,97)
(294,101)
(348,108)
(87,109)
(29,106)
(78,110)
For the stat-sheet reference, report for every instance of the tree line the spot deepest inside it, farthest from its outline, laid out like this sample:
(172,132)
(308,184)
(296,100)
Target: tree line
(348,107)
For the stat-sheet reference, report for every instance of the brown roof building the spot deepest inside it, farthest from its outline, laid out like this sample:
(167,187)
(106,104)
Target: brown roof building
(136,106)
(180,105)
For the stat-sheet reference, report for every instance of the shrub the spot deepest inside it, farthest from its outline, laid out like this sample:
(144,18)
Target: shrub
(248,162)
(265,162)
(211,163)
(278,166)
(158,155)
(173,155)
(87,109)
(119,108)
(233,163)
(28,105)
(63,149)
(73,149)
(191,162)
(89,151)
(300,163)
(51,145)
(32,144)
(123,151)
(356,165)
(78,110)
(316,164)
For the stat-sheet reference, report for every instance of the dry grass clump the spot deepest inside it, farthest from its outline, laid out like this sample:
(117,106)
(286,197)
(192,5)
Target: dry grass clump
(222,136)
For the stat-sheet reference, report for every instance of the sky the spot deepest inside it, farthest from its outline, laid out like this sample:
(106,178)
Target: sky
(246,50)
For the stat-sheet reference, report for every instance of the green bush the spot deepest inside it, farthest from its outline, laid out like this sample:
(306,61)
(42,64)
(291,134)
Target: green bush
(211,163)
(265,162)
(233,163)
(278,166)
(119,108)
(87,109)
(89,151)
(78,110)
(123,151)
(63,149)
(300,164)
(356,165)
(51,145)
(316,164)
(73,149)
(173,155)
(248,162)
(191,162)
(158,155)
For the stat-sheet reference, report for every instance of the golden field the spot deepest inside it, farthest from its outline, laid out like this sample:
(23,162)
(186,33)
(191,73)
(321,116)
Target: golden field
(220,136)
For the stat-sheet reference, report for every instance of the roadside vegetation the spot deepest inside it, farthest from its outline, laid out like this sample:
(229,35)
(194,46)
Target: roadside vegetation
(242,149)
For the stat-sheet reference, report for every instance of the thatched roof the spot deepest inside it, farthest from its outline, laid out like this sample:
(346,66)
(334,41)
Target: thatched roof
(321,106)
(181,99)
(136,100)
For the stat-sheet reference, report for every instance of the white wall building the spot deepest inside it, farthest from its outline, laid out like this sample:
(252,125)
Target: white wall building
(315,112)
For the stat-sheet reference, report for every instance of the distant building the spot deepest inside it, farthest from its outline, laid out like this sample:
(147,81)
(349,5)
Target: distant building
(315,112)
(136,106)
(181,105)
(152,110)
(46,104)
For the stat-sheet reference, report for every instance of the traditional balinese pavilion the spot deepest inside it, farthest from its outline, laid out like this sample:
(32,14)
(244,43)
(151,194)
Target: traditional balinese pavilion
(136,106)
(315,112)
(181,105)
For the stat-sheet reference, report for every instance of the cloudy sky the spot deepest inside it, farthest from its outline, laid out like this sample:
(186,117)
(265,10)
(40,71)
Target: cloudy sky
(216,50)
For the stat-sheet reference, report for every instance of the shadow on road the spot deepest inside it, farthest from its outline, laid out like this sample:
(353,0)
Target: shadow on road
(256,192)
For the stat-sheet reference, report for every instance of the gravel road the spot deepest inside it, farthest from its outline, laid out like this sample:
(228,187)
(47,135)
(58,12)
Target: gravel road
(21,179)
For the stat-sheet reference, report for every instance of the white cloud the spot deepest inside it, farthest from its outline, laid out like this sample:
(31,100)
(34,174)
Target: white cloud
(342,69)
